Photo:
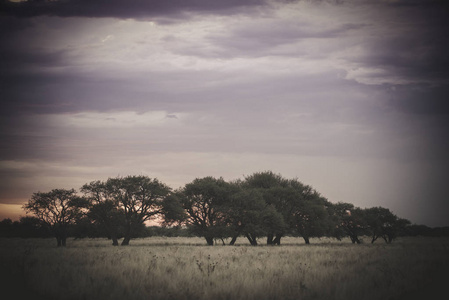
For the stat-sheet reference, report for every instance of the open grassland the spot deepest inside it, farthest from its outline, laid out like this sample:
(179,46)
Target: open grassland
(184,268)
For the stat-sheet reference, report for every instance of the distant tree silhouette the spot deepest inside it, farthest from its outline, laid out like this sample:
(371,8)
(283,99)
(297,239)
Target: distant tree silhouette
(6,229)
(57,209)
(26,227)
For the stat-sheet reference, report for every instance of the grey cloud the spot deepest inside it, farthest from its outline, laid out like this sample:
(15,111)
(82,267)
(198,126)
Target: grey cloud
(31,146)
(10,26)
(419,58)
(256,115)
(124,8)
(414,46)
(423,99)
(262,39)
(415,2)
(16,59)
(428,107)
(41,92)
(280,32)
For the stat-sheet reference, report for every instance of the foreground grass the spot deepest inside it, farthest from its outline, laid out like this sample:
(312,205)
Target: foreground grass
(183,268)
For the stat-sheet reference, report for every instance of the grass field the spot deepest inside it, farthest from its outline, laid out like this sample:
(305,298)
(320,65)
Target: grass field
(184,268)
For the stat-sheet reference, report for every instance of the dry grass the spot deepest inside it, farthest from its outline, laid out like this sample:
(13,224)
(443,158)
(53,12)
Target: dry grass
(184,268)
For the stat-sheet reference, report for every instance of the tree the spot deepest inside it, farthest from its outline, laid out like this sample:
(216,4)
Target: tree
(57,209)
(104,208)
(203,200)
(383,223)
(246,214)
(30,226)
(299,206)
(6,228)
(308,210)
(172,211)
(141,199)
(273,189)
(350,221)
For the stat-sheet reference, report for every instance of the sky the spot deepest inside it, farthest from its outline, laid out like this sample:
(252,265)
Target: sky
(350,97)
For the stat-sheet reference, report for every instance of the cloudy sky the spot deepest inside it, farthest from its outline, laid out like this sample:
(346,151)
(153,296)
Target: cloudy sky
(350,97)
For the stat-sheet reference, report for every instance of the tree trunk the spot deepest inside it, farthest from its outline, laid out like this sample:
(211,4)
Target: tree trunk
(58,241)
(306,239)
(210,240)
(270,239)
(252,240)
(127,235)
(114,238)
(126,240)
(234,238)
(63,235)
(355,239)
(112,230)
(277,239)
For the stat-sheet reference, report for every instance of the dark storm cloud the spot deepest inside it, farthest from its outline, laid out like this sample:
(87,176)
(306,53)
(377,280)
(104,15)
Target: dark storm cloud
(416,47)
(10,26)
(428,106)
(17,58)
(421,99)
(123,8)
(28,147)
(415,2)
(40,92)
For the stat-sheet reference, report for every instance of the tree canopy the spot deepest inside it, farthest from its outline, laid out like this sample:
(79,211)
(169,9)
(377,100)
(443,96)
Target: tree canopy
(263,204)
(56,209)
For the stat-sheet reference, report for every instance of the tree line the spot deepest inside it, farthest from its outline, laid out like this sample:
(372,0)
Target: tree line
(262,205)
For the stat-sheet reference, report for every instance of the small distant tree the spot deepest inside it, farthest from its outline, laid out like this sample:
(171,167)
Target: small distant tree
(6,228)
(57,209)
(31,226)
